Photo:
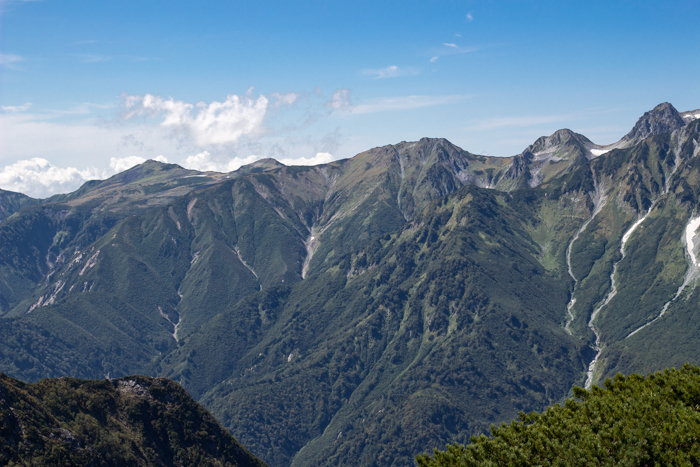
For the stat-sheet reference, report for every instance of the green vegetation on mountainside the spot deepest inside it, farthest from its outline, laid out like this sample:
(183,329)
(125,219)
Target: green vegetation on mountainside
(135,421)
(633,421)
(362,311)
(11,202)
(655,174)
(417,339)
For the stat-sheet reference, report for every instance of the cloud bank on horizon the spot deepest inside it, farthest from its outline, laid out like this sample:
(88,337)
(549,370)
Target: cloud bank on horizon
(212,130)
(39,178)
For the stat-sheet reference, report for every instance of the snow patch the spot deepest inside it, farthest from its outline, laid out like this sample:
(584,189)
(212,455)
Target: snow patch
(36,304)
(691,248)
(599,152)
(690,115)
(627,235)
(689,235)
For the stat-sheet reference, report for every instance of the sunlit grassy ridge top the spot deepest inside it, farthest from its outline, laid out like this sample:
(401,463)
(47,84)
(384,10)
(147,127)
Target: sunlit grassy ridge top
(633,421)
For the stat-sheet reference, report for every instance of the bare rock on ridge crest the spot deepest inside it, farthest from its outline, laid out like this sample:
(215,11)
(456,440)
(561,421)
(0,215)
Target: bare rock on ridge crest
(663,118)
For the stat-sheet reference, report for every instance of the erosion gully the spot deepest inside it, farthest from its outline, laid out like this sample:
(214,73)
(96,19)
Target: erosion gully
(598,344)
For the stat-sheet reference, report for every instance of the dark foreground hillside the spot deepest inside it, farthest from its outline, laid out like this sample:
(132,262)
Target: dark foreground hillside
(634,421)
(132,421)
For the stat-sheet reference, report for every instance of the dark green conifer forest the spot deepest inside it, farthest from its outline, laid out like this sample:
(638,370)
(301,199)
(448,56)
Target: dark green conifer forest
(632,421)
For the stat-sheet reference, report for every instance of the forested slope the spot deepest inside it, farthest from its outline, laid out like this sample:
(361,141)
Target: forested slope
(632,421)
(135,421)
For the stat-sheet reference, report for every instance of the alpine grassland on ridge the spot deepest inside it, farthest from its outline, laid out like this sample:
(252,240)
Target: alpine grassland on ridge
(367,310)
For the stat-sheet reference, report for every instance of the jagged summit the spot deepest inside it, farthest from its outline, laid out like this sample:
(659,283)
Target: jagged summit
(664,118)
(547,158)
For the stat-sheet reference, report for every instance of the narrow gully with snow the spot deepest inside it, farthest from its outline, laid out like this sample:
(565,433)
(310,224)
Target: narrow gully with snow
(598,345)
(613,291)
(598,197)
(692,273)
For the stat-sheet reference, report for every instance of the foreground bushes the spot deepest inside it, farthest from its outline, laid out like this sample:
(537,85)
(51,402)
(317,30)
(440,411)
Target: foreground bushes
(634,421)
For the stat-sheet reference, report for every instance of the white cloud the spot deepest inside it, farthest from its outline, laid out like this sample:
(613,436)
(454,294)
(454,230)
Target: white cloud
(340,99)
(66,144)
(16,108)
(469,18)
(284,99)
(392,71)
(217,123)
(320,158)
(9,60)
(450,48)
(434,59)
(204,162)
(125,163)
(38,178)
(238,162)
(405,103)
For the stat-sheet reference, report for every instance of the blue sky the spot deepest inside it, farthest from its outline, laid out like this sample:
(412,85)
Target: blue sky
(88,88)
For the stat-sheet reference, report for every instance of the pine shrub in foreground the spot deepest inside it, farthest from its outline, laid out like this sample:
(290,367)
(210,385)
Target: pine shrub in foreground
(633,421)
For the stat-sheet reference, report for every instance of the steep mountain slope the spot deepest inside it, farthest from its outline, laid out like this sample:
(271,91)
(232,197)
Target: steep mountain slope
(631,260)
(11,202)
(128,421)
(261,229)
(399,345)
(363,311)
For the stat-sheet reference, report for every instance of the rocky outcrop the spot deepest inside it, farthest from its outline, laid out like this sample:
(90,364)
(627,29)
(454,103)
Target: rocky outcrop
(663,118)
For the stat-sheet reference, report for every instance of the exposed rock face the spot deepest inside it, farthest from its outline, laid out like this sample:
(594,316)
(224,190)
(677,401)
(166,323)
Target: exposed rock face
(663,118)
(520,169)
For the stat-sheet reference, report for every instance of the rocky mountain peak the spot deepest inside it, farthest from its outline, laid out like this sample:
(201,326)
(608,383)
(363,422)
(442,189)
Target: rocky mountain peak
(556,140)
(663,118)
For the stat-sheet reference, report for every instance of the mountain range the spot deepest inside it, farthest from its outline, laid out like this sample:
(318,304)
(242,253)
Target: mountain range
(371,309)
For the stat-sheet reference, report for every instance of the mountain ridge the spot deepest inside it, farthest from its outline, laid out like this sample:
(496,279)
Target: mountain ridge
(371,308)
